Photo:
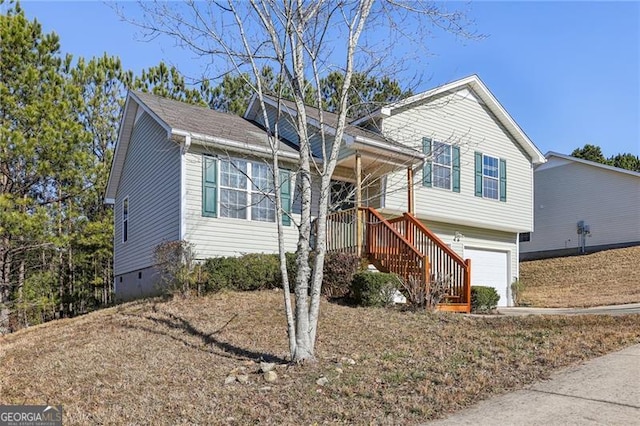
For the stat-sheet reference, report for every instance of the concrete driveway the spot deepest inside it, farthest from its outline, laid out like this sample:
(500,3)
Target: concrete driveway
(602,391)
(632,308)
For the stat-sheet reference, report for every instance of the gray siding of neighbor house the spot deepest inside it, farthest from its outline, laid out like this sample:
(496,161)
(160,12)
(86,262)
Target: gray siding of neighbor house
(567,192)
(219,236)
(459,118)
(151,182)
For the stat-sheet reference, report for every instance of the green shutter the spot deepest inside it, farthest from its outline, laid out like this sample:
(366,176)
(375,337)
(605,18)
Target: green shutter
(426,170)
(456,168)
(503,179)
(285,196)
(209,186)
(478,179)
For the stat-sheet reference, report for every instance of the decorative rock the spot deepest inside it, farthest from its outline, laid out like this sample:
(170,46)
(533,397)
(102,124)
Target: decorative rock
(267,366)
(349,361)
(338,370)
(229,379)
(322,381)
(270,376)
(242,378)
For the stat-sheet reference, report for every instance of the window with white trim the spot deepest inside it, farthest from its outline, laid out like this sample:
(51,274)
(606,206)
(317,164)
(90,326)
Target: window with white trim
(490,177)
(246,190)
(441,165)
(125,220)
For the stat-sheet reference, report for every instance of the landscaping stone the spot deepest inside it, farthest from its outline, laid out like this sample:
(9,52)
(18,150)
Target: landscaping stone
(229,379)
(347,361)
(267,366)
(270,376)
(242,378)
(322,381)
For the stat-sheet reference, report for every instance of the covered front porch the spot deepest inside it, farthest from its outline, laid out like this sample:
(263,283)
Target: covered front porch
(402,245)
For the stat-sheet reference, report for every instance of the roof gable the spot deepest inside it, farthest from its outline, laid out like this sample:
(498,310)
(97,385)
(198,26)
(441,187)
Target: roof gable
(193,121)
(480,92)
(554,157)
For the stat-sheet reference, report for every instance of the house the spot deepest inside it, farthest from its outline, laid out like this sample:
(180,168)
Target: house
(440,185)
(580,207)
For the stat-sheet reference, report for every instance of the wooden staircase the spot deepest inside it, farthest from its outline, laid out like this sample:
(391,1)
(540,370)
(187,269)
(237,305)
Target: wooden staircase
(403,246)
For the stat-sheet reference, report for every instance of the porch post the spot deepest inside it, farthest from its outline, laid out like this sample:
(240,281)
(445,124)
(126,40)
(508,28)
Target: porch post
(358,204)
(410,202)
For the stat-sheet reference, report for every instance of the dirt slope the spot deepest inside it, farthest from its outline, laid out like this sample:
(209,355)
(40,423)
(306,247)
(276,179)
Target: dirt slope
(604,278)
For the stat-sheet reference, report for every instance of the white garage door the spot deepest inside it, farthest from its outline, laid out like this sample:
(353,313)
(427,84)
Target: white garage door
(490,268)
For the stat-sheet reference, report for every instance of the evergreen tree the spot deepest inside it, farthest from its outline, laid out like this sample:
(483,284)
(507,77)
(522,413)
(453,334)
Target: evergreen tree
(43,149)
(591,153)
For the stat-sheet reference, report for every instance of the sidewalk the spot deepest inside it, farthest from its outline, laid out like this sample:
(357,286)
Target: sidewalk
(631,308)
(602,391)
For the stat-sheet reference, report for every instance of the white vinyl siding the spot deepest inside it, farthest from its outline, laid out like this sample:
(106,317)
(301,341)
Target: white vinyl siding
(461,120)
(567,192)
(150,181)
(222,236)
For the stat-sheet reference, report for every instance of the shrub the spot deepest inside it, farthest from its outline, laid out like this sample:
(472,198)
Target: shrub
(421,296)
(338,272)
(373,288)
(517,288)
(176,266)
(245,273)
(483,299)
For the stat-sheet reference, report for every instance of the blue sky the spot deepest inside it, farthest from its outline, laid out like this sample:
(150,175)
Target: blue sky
(568,72)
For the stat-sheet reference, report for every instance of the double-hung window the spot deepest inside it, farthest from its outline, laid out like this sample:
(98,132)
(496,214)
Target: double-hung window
(441,165)
(233,189)
(263,207)
(241,189)
(491,177)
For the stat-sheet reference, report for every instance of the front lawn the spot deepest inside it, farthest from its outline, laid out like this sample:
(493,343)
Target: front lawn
(158,362)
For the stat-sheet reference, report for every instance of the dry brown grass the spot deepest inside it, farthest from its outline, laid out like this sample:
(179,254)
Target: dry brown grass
(605,278)
(160,362)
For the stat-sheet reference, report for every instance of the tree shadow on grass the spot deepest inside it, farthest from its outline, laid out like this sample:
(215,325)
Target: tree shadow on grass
(225,349)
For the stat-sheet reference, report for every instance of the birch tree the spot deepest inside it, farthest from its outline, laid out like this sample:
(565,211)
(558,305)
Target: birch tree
(302,41)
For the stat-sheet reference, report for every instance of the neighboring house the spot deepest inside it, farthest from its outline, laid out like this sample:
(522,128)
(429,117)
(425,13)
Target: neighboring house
(445,175)
(580,207)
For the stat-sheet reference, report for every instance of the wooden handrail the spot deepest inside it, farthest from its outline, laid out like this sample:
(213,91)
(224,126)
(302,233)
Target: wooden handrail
(404,246)
(342,234)
(384,221)
(391,252)
(411,218)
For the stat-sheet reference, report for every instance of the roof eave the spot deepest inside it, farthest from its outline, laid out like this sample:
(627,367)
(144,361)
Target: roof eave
(591,163)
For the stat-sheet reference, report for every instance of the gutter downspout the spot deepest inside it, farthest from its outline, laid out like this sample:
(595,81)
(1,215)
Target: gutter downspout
(183,186)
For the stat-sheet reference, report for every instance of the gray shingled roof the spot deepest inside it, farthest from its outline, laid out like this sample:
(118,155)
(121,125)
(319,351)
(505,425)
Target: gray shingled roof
(202,120)
(331,119)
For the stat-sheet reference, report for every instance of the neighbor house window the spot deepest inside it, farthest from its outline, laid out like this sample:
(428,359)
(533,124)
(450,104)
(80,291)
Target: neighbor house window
(125,220)
(442,165)
(242,189)
(490,177)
